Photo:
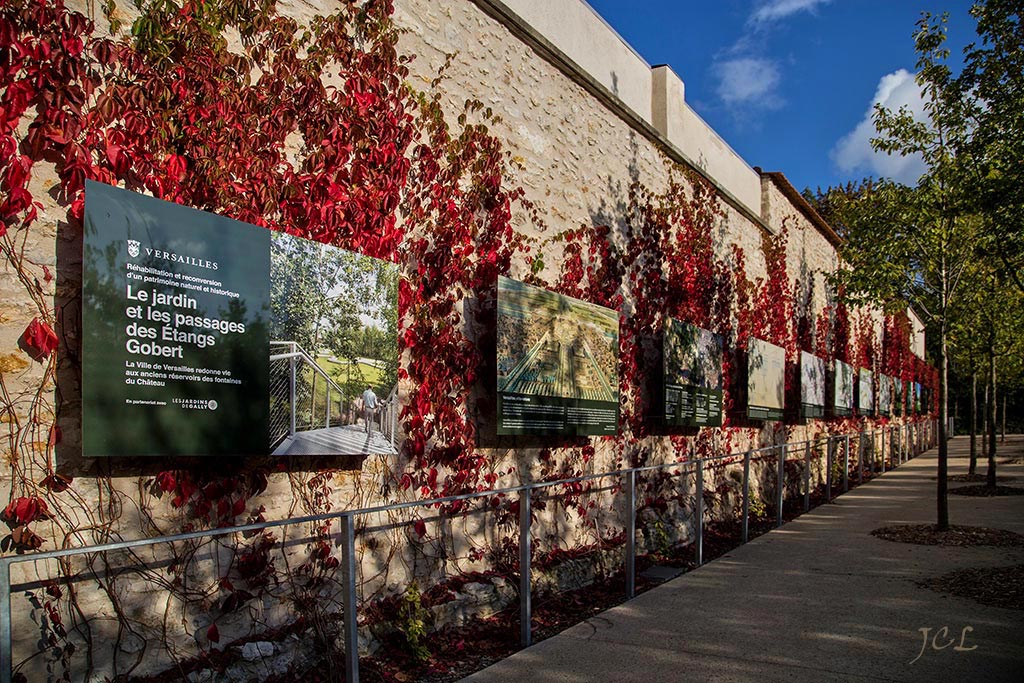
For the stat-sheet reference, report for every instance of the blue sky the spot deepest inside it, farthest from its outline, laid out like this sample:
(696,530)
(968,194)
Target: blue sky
(789,84)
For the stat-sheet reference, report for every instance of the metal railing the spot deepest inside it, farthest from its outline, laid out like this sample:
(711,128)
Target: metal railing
(387,416)
(904,442)
(297,405)
(288,388)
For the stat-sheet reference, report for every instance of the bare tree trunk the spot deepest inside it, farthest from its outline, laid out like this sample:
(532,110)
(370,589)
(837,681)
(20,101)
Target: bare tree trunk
(984,418)
(991,478)
(1002,437)
(974,423)
(942,500)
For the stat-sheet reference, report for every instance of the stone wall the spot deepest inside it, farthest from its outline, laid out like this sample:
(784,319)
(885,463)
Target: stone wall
(576,139)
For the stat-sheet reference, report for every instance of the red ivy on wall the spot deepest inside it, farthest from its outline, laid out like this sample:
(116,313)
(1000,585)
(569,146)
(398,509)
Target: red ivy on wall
(253,132)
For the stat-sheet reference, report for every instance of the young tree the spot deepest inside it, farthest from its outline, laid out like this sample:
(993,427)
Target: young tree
(914,244)
(966,352)
(985,337)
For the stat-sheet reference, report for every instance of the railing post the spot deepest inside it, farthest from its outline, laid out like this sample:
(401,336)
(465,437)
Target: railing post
(630,534)
(525,584)
(860,457)
(807,477)
(882,450)
(897,431)
(291,389)
(6,660)
(746,496)
(327,422)
(874,455)
(892,459)
(700,512)
(780,484)
(830,450)
(894,446)
(312,401)
(350,615)
(846,465)
(394,421)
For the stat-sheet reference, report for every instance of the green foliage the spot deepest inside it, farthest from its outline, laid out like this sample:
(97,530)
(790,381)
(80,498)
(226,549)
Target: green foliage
(827,202)
(945,245)
(837,468)
(905,245)
(324,299)
(758,508)
(914,243)
(993,83)
(156,38)
(660,539)
(414,622)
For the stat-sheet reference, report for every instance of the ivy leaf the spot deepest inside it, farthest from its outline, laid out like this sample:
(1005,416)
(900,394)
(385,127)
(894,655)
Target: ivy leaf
(38,340)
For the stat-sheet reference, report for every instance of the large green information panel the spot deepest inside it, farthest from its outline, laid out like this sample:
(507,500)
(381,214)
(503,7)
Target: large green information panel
(178,319)
(812,385)
(842,389)
(865,392)
(884,395)
(693,375)
(175,312)
(766,380)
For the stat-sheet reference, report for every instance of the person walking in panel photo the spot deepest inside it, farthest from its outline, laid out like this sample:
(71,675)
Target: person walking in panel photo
(369,408)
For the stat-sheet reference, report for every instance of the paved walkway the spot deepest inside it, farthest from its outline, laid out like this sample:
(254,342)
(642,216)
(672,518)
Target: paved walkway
(818,600)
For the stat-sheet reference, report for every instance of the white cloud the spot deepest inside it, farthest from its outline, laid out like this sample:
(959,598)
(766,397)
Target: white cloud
(853,153)
(748,82)
(774,10)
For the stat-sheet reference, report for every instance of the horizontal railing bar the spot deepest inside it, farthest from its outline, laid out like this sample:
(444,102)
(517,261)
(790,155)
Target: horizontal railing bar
(302,355)
(286,356)
(259,526)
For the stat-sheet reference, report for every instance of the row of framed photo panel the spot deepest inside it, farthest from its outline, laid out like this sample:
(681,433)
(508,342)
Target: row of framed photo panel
(846,389)
(207,336)
(557,368)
